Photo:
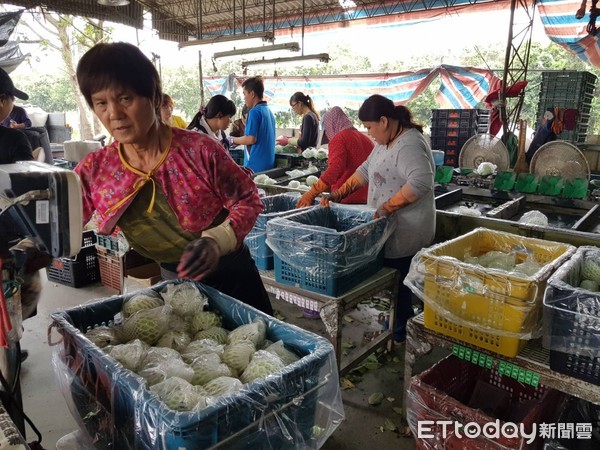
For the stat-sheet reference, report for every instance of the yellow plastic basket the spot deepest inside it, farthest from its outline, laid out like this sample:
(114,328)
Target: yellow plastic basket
(458,294)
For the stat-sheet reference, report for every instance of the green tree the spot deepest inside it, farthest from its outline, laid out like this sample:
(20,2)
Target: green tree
(69,36)
(50,93)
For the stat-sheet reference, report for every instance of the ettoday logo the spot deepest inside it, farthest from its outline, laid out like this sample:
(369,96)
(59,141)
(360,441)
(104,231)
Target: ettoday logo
(430,429)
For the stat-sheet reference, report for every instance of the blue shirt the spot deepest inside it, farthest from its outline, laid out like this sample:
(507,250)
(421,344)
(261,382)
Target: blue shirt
(261,125)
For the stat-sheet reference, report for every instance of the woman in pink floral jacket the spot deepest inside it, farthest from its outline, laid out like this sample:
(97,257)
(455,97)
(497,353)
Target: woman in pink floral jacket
(176,194)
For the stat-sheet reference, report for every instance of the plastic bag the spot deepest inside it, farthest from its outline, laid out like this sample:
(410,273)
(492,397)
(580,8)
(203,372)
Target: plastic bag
(534,218)
(185,299)
(485,168)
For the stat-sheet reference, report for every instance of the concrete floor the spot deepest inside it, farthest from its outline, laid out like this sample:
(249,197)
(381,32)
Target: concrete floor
(46,406)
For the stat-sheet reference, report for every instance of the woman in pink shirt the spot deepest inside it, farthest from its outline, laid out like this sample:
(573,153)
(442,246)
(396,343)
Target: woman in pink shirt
(176,194)
(348,149)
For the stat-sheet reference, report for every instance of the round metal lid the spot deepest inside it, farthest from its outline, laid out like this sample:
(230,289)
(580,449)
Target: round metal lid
(559,158)
(484,148)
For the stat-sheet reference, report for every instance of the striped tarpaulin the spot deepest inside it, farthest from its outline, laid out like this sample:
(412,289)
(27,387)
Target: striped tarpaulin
(461,87)
(562,27)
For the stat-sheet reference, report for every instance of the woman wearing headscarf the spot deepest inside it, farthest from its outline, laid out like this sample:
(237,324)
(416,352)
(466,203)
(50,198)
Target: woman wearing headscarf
(400,172)
(348,149)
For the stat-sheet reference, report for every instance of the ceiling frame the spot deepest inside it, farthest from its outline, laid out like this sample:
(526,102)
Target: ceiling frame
(182,20)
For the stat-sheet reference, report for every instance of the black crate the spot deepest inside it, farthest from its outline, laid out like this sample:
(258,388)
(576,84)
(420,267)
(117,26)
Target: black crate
(451,160)
(572,320)
(439,122)
(578,411)
(59,134)
(237,155)
(568,77)
(79,271)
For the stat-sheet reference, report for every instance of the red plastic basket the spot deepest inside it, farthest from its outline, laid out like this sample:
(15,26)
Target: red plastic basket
(443,391)
(111,269)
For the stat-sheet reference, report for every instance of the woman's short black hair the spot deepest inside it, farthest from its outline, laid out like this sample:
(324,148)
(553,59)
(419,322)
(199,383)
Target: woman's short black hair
(118,64)
(219,104)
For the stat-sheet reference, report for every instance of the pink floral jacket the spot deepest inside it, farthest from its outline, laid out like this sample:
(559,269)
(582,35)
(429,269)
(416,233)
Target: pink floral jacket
(198,178)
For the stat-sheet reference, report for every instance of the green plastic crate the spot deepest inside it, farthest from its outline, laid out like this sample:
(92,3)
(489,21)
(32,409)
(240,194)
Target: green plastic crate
(550,185)
(505,181)
(527,183)
(575,188)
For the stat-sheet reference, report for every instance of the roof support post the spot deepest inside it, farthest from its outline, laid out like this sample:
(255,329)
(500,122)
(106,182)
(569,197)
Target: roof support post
(516,63)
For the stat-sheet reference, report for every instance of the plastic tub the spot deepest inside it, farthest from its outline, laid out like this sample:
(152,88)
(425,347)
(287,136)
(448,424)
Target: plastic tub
(438,157)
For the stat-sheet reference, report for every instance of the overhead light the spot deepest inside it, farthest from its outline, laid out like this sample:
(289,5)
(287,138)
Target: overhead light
(291,46)
(266,36)
(113,2)
(322,57)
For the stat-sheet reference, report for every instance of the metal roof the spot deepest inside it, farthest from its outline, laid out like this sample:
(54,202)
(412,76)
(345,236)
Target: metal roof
(182,20)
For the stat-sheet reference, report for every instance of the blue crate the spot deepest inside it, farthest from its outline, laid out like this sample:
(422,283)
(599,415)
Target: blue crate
(237,154)
(327,250)
(277,412)
(275,206)
(572,320)
(323,284)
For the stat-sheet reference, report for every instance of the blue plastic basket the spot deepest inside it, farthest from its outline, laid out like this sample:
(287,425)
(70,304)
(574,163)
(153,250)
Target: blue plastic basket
(323,284)
(326,250)
(128,416)
(572,321)
(237,154)
(279,205)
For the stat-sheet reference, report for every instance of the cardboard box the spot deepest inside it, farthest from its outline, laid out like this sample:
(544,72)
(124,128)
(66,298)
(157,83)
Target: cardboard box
(146,275)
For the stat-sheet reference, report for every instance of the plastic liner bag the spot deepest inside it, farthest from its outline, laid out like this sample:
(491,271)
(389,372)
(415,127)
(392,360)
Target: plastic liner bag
(274,206)
(278,348)
(534,217)
(298,406)
(95,422)
(453,286)
(329,241)
(572,312)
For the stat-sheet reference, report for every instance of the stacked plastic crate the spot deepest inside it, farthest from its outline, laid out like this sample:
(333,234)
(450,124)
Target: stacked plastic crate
(568,90)
(451,128)
(78,271)
(111,250)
